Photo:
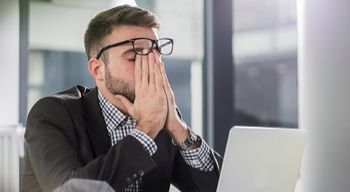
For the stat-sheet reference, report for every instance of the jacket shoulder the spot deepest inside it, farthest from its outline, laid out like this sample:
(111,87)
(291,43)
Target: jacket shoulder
(76,92)
(68,100)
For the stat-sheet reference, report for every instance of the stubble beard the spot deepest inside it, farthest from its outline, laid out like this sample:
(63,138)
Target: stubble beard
(119,86)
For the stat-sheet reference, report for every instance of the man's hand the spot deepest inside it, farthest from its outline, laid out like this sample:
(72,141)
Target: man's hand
(150,106)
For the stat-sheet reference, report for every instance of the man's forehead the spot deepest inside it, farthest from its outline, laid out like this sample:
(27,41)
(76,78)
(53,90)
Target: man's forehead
(126,32)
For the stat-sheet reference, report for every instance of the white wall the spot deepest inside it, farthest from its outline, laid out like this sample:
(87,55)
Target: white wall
(182,20)
(9,65)
(324,53)
(58,27)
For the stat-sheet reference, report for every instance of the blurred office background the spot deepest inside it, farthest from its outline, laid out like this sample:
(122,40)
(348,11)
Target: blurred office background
(234,61)
(263,47)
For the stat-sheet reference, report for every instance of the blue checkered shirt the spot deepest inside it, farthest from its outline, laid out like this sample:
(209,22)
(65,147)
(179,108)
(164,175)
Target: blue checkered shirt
(120,125)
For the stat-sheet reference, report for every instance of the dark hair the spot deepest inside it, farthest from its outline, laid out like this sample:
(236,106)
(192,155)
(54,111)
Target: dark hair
(103,24)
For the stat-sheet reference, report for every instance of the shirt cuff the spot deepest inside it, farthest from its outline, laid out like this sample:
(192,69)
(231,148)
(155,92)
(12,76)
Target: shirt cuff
(200,157)
(147,142)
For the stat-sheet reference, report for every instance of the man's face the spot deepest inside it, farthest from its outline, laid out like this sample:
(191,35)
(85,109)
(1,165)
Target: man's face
(119,72)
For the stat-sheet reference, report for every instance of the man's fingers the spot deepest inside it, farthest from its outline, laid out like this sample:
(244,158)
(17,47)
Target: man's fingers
(137,72)
(164,77)
(145,71)
(158,78)
(158,73)
(127,104)
(167,88)
(151,63)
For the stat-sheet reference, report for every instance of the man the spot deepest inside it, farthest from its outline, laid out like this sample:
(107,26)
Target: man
(127,131)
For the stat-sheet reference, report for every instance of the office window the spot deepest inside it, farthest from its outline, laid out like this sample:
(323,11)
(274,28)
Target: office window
(52,71)
(265,58)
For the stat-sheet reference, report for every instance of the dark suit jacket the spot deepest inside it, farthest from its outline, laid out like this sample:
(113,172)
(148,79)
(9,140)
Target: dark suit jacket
(67,138)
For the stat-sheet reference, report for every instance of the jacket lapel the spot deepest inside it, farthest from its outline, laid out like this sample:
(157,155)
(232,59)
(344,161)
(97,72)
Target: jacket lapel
(95,124)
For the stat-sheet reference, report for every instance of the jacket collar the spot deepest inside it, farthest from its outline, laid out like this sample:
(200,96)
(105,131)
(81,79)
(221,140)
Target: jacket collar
(95,124)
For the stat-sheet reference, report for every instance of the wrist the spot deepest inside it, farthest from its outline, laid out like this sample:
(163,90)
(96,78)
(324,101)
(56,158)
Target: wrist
(178,133)
(192,141)
(147,130)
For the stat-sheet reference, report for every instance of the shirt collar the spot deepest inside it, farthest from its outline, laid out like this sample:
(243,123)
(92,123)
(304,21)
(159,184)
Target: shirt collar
(113,116)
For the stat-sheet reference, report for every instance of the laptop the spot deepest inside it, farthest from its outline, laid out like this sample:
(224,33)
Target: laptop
(262,159)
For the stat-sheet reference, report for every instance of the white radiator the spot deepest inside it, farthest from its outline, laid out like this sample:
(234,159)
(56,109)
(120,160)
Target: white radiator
(11,149)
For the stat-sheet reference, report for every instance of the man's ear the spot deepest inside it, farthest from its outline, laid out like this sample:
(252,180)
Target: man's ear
(96,69)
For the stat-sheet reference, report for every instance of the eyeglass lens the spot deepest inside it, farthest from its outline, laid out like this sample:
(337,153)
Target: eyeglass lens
(165,46)
(145,46)
(142,46)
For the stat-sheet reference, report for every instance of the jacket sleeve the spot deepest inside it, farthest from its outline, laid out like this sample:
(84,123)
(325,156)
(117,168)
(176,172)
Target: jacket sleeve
(187,178)
(55,158)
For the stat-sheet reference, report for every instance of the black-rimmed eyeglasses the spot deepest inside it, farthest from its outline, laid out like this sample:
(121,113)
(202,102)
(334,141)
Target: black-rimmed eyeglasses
(143,46)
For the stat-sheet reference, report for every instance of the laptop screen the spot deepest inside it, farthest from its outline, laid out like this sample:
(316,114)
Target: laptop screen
(262,159)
